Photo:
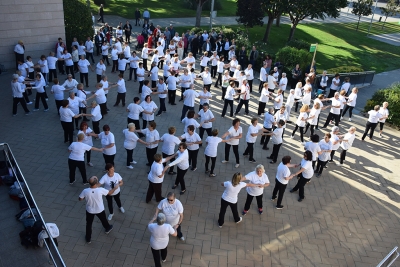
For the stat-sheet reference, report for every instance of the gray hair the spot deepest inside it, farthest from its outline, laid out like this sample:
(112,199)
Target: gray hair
(161,218)
(271,110)
(260,167)
(171,194)
(335,128)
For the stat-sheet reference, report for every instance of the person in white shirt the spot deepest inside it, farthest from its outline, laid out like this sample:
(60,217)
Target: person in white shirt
(145,55)
(89,49)
(206,77)
(244,98)
(94,206)
(152,140)
(83,66)
(278,99)
(184,80)
(171,81)
(149,106)
(96,116)
(272,82)
(305,173)
(173,210)
(249,76)
(159,239)
(206,120)
(114,57)
(44,67)
(262,101)
(385,114)
(104,52)
(283,83)
(192,140)
(51,62)
(226,80)
(375,116)
(335,140)
(269,123)
(101,98)
(108,143)
(211,151)
(17,92)
(88,133)
(326,148)
(230,197)
(122,62)
(301,122)
(130,143)
(313,118)
(189,97)
(263,77)
(162,92)
(120,84)
(19,51)
(281,180)
(234,133)
(323,84)
(346,85)
(314,147)
(168,148)
(134,62)
(251,137)
(69,64)
(205,97)
(260,180)
(58,92)
(214,64)
(289,104)
(60,63)
(334,86)
(277,140)
(100,69)
(76,158)
(110,180)
(350,103)
(40,93)
(334,113)
(140,72)
(182,164)
(156,177)
(298,94)
(134,110)
(346,143)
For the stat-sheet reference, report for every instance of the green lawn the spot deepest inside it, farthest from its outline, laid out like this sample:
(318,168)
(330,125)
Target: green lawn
(339,44)
(160,8)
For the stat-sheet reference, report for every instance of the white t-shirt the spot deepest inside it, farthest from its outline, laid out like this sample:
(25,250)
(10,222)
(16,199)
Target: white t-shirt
(333,86)
(156,170)
(374,116)
(314,112)
(352,100)
(314,148)
(110,182)
(160,235)
(191,139)
(271,80)
(182,161)
(169,142)
(171,211)
(94,199)
(151,136)
(253,130)
(342,100)
(255,179)
(212,146)
(308,169)
(264,95)
(131,138)
(283,83)
(278,105)
(100,96)
(230,92)
(277,137)
(306,100)
(66,114)
(205,100)
(107,139)
(83,65)
(383,112)
(154,73)
(333,139)
(281,116)
(185,80)
(249,74)
(161,88)
(172,82)
(188,122)
(299,122)
(88,138)
(190,95)
(234,133)
(122,64)
(282,172)
(325,156)
(206,116)
(140,71)
(350,138)
(149,107)
(290,100)
(345,87)
(78,150)
(58,91)
(134,111)
(51,61)
(145,92)
(121,86)
(100,68)
(96,114)
(231,192)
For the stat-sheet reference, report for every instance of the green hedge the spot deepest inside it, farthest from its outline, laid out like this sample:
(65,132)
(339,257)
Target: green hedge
(390,95)
(299,44)
(78,20)
(290,56)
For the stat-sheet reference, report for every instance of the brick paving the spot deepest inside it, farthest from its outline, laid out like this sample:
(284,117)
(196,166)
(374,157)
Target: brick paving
(350,216)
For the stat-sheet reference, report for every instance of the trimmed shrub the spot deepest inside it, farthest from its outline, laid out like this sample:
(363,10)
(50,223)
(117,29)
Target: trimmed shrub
(390,95)
(78,20)
(345,69)
(299,44)
(197,30)
(290,56)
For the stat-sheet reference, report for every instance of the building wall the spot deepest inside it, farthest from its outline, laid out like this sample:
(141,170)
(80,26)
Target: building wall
(38,23)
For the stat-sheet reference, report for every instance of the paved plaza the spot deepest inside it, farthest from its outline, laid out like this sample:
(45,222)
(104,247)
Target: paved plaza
(350,216)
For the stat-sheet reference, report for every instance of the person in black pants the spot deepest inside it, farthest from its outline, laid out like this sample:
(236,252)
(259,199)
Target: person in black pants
(182,165)
(282,179)
(192,140)
(77,160)
(152,139)
(235,133)
(277,141)
(304,174)
(128,30)
(94,196)
(334,113)
(228,98)
(229,197)
(18,95)
(244,98)
(137,17)
(40,93)
(101,13)
(374,118)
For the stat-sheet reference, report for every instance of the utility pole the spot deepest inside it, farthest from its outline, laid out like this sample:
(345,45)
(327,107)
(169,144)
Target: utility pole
(211,13)
(370,24)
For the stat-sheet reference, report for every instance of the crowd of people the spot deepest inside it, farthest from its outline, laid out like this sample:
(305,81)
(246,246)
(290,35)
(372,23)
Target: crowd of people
(166,63)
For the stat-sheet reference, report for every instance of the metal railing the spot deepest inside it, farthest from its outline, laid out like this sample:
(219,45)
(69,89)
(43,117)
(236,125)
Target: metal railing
(389,259)
(51,247)
(356,78)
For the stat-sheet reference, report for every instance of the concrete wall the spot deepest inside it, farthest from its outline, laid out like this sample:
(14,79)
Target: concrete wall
(38,23)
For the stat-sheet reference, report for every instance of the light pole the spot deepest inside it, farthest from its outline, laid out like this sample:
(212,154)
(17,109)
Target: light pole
(370,24)
(211,13)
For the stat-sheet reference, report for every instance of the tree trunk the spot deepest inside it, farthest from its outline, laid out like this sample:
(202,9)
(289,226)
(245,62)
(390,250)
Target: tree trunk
(383,26)
(268,28)
(358,23)
(278,20)
(292,30)
(198,13)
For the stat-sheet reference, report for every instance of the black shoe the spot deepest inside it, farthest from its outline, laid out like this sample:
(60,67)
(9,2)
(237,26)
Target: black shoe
(273,198)
(272,162)
(300,199)
(182,192)
(174,186)
(171,173)
(265,148)
(279,207)
(292,191)
(269,157)
(173,104)
(148,164)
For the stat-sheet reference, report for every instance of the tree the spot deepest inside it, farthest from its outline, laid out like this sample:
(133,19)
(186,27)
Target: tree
(78,20)
(199,8)
(274,9)
(249,12)
(390,10)
(298,10)
(362,8)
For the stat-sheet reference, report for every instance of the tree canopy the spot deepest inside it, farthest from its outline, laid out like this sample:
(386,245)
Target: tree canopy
(78,20)
(362,8)
(250,13)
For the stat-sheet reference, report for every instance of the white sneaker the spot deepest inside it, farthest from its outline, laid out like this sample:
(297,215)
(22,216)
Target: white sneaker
(110,217)
(339,164)
(182,238)
(240,220)
(292,136)
(90,164)
(224,161)
(303,143)
(341,118)
(349,119)
(133,162)
(237,166)
(29,103)
(122,209)
(380,135)
(129,167)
